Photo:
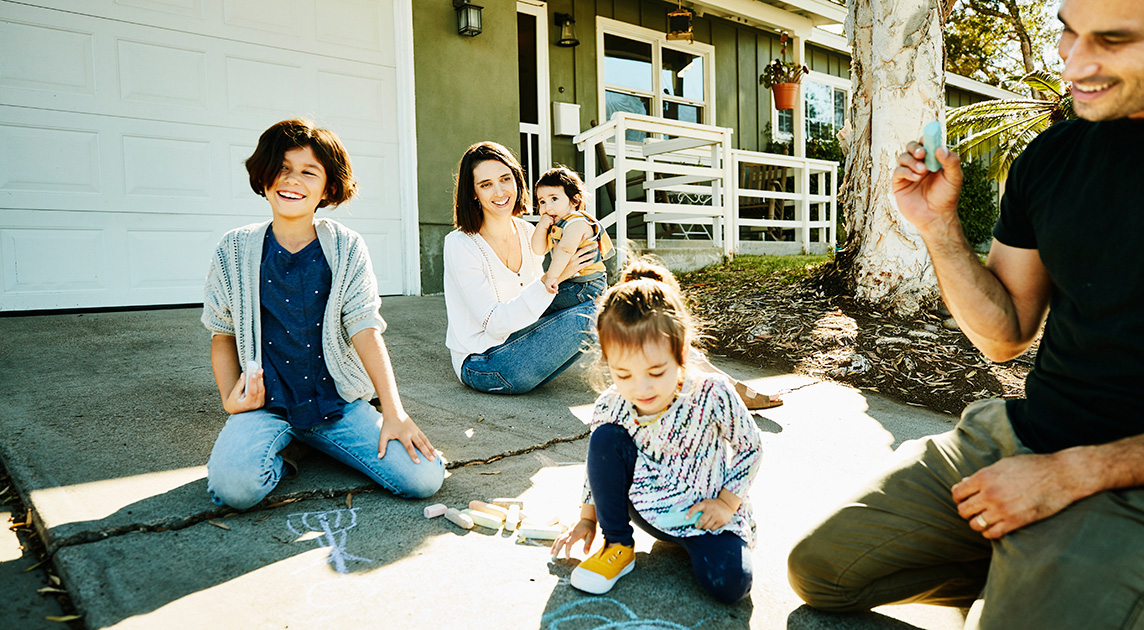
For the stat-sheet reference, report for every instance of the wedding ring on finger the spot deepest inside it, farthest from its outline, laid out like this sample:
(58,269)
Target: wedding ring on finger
(982,522)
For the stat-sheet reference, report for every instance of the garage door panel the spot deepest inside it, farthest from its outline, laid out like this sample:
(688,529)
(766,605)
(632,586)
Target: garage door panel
(49,160)
(153,73)
(46,261)
(41,57)
(357,29)
(168,259)
(386,250)
(166,167)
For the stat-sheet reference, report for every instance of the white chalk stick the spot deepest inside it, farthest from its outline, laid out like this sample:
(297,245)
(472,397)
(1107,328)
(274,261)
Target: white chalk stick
(492,510)
(482,519)
(459,518)
(251,368)
(536,532)
(435,510)
(513,519)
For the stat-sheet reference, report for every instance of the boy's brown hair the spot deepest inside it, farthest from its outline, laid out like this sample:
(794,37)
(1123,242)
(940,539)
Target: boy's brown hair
(467,213)
(265,163)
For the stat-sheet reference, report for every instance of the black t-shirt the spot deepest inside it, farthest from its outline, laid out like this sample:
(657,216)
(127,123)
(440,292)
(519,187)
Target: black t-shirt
(1077,195)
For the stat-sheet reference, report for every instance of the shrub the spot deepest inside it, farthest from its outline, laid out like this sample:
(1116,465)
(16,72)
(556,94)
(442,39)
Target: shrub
(977,207)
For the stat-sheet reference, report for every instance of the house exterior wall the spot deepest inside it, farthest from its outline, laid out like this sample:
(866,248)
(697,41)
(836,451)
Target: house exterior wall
(466,92)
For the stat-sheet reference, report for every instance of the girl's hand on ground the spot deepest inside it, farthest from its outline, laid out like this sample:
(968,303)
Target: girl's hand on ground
(716,513)
(404,430)
(255,395)
(585,529)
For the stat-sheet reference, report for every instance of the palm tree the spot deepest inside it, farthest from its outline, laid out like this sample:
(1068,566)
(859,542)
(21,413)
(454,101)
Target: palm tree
(1006,127)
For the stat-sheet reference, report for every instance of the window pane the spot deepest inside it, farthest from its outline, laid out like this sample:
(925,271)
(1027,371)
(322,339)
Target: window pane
(682,74)
(839,108)
(679,111)
(526,61)
(617,102)
(785,124)
(627,63)
(819,108)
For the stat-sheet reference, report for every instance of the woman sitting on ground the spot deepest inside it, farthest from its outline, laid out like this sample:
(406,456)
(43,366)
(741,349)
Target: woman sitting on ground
(501,339)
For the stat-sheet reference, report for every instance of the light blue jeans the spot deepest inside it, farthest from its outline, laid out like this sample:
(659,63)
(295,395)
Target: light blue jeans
(245,465)
(533,355)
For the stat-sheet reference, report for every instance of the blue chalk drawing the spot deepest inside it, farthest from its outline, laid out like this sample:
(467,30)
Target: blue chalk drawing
(633,621)
(329,523)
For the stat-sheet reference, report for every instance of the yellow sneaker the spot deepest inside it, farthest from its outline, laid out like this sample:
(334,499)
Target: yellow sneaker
(600,571)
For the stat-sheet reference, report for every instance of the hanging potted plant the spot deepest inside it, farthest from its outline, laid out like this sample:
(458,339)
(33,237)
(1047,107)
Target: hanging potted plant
(782,77)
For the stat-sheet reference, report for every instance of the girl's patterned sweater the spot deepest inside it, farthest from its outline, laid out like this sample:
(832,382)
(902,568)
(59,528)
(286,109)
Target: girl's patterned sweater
(705,441)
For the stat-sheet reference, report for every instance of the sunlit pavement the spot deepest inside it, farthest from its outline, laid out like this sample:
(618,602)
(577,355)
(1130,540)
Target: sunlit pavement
(108,418)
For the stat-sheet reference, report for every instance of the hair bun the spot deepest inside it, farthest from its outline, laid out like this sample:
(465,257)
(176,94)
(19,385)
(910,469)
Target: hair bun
(650,269)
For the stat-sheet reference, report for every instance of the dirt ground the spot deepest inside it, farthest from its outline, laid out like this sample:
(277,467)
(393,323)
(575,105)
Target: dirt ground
(808,326)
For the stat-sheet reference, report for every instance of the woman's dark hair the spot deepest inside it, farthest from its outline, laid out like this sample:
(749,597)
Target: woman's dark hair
(265,163)
(566,178)
(467,213)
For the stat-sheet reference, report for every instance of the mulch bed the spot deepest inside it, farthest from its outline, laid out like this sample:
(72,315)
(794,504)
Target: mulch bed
(810,328)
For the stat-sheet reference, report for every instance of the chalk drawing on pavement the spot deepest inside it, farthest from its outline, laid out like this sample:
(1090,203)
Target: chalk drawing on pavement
(332,527)
(582,610)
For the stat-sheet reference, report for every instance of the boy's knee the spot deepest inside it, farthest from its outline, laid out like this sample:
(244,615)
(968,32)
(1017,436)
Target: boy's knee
(427,483)
(237,491)
(812,580)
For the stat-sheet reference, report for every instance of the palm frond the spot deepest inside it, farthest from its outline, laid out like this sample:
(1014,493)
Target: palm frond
(1045,83)
(1014,144)
(985,140)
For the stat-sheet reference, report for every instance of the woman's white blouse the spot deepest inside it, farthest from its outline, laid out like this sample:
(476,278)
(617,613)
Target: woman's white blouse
(485,300)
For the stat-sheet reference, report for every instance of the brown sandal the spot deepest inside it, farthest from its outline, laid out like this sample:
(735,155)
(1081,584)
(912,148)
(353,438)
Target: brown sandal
(754,400)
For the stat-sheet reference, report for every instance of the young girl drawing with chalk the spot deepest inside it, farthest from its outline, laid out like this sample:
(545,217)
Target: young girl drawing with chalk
(296,299)
(673,449)
(563,229)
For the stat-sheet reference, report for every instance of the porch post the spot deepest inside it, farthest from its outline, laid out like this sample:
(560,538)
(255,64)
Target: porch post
(802,179)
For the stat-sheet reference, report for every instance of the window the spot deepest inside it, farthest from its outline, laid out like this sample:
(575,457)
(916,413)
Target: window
(825,99)
(641,72)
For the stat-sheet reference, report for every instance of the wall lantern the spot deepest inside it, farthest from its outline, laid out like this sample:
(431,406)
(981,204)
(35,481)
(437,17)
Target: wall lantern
(567,34)
(468,18)
(679,25)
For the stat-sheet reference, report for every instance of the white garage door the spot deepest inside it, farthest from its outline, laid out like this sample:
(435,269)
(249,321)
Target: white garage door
(124,125)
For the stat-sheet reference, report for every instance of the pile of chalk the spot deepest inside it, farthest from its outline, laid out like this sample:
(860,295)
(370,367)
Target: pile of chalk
(496,513)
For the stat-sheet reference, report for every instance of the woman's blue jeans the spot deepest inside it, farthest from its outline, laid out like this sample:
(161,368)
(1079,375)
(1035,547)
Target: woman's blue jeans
(721,562)
(245,464)
(533,355)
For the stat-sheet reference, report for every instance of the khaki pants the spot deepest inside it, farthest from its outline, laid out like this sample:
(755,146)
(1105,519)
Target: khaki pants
(903,541)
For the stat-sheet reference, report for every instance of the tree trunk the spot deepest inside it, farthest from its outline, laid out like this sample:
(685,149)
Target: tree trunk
(898,82)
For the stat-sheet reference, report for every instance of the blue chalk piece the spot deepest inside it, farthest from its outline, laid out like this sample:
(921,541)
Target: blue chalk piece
(677,519)
(931,140)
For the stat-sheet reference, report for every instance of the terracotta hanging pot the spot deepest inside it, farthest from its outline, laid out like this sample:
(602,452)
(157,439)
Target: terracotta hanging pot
(785,95)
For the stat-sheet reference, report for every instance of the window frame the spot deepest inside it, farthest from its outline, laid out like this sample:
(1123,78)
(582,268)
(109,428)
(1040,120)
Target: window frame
(838,83)
(658,42)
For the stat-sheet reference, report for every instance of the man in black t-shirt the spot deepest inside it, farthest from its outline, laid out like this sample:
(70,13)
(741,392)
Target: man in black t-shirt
(1032,510)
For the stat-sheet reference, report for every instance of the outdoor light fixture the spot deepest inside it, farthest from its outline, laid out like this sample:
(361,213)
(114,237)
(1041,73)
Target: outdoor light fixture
(468,18)
(679,25)
(567,34)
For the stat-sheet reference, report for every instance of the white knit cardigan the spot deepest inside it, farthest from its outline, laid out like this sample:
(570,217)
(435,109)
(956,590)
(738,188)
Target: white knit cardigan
(231,303)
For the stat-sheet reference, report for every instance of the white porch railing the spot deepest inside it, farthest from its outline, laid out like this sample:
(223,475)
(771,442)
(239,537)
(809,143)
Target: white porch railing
(765,185)
(689,175)
(683,166)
